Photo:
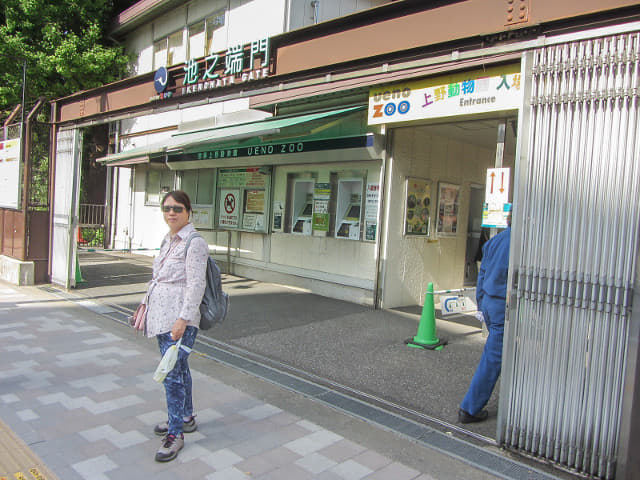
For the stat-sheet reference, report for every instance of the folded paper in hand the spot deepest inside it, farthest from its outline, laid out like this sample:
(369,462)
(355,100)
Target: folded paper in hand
(167,362)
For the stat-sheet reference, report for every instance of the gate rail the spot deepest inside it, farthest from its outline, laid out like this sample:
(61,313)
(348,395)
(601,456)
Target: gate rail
(91,221)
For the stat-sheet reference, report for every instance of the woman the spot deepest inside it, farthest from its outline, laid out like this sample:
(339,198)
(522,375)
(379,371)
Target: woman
(171,310)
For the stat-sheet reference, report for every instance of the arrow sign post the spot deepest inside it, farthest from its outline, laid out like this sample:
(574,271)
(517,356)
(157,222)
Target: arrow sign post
(494,213)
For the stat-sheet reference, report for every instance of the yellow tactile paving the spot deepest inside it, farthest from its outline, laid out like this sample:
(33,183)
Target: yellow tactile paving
(17,460)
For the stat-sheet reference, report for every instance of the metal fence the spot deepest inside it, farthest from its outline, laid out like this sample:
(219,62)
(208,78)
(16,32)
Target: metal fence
(568,326)
(91,224)
(10,131)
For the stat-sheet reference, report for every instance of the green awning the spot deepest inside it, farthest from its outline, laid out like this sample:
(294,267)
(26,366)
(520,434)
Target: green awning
(272,126)
(306,149)
(194,140)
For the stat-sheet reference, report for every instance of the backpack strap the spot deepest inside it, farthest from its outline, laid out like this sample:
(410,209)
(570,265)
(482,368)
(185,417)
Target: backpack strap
(191,236)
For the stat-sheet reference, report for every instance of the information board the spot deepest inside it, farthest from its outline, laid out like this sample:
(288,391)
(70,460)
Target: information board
(10,179)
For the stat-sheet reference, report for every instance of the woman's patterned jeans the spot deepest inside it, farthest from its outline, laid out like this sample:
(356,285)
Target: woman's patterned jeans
(177,384)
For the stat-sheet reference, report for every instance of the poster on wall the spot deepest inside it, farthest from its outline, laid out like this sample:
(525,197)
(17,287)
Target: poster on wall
(252,221)
(10,173)
(371,211)
(278,212)
(229,201)
(448,205)
(242,177)
(201,217)
(417,218)
(321,197)
(254,201)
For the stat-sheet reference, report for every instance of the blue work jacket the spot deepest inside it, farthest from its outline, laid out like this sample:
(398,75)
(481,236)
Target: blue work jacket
(494,269)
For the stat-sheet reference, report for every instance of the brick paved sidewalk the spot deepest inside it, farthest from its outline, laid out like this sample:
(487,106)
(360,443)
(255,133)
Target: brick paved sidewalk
(76,387)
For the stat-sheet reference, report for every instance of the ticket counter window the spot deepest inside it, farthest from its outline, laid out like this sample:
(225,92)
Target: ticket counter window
(302,207)
(199,184)
(349,209)
(158,182)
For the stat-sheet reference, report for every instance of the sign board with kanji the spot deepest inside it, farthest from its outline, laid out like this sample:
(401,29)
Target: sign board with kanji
(488,90)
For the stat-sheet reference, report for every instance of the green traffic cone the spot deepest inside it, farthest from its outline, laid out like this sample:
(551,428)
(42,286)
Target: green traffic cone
(79,278)
(426,336)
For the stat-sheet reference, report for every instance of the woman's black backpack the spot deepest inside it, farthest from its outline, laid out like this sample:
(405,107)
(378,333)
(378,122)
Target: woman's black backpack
(215,302)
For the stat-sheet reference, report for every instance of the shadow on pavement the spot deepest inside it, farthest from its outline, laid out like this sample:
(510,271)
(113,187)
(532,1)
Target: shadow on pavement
(345,343)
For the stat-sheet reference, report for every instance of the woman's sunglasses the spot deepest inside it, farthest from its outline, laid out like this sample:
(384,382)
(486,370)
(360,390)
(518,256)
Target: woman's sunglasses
(175,208)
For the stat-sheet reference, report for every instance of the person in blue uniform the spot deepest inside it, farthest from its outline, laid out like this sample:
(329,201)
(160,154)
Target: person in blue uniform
(491,293)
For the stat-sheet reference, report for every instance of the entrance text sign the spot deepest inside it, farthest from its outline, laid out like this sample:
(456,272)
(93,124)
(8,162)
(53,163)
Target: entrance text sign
(10,173)
(490,90)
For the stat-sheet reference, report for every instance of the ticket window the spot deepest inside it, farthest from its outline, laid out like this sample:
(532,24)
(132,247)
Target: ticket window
(349,209)
(302,211)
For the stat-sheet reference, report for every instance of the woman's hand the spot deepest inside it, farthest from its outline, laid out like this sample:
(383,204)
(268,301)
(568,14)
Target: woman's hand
(178,329)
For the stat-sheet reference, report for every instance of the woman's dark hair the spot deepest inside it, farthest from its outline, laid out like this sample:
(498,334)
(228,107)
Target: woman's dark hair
(180,197)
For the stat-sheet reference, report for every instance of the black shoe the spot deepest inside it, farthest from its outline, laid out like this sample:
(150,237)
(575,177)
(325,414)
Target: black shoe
(466,417)
(188,426)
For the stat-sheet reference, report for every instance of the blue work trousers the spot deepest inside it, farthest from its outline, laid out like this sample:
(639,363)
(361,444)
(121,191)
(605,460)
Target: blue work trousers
(488,370)
(177,384)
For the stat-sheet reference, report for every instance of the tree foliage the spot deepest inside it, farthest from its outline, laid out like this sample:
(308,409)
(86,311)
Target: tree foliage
(65,44)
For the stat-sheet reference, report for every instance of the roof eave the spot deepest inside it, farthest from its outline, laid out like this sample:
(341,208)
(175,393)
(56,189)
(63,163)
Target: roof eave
(139,13)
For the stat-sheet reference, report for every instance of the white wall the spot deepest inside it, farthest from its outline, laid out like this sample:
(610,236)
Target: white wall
(140,46)
(148,226)
(301,12)
(200,9)
(246,21)
(254,20)
(169,23)
(410,263)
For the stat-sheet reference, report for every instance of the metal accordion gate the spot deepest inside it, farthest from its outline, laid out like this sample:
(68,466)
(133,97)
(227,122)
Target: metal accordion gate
(573,255)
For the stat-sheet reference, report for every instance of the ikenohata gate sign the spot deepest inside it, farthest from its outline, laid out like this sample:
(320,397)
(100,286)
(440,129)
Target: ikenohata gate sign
(238,64)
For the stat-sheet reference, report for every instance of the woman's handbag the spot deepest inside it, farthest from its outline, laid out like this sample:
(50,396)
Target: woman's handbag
(138,319)
(167,362)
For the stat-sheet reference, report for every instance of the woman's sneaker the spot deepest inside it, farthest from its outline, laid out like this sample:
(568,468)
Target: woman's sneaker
(170,447)
(187,427)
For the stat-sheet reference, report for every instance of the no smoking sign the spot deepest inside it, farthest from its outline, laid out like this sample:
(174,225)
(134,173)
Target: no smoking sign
(229,211)
(229,203)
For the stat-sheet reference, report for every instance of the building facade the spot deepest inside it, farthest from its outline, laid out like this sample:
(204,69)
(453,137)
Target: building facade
(355,157)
